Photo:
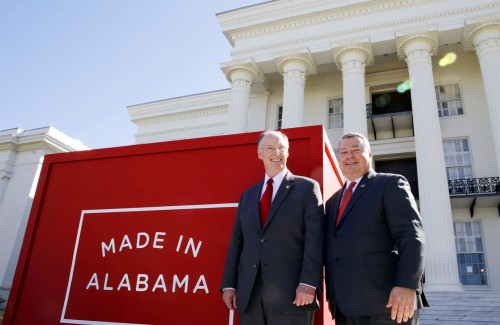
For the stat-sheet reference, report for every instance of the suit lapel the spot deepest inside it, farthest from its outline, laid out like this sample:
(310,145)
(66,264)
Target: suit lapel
(335,205)
(284,189)
(361,188)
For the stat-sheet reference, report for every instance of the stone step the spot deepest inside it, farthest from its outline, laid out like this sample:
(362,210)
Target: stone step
(462,308)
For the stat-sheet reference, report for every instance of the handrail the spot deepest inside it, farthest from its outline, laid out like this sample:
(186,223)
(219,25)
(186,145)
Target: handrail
(369,112)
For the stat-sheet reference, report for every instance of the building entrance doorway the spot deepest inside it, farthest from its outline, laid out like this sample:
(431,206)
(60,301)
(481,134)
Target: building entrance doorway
(406,167)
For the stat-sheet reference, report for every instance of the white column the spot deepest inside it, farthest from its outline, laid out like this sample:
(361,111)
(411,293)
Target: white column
(7,242)
(295,69)
(485,39)
(441,271)
(351,60)
(241,77)
(258,111)
(4,180)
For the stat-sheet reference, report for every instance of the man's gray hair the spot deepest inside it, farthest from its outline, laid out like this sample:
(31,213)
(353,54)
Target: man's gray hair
(278,134)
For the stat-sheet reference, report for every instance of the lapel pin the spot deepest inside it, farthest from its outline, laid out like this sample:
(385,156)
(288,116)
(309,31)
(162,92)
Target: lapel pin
(288,186)
(362,185)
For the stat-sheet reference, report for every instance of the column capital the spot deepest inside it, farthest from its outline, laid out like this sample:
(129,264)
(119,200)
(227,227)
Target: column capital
(481,35)
(423,43)
(242,69)
(359,53)
(300,61)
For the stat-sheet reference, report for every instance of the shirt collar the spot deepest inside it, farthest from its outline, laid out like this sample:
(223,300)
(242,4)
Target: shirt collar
(278,178)
(348,182)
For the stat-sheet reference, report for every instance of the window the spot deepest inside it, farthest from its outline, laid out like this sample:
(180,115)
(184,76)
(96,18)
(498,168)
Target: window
(457,157)
(279,117)
(335,113)
(470,253)
(449,100)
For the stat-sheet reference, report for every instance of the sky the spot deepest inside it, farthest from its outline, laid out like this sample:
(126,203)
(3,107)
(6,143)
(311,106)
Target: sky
(77,64)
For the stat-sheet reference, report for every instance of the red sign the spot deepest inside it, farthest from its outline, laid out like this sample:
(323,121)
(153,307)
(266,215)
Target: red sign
(139,234)
(162,253)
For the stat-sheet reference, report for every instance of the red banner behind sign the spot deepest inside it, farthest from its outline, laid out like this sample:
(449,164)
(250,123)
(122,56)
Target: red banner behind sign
(139,234)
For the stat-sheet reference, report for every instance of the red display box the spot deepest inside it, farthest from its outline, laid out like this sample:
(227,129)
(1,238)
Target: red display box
(139,234)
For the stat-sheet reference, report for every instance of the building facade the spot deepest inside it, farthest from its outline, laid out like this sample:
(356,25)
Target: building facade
(21,157)
(420,78)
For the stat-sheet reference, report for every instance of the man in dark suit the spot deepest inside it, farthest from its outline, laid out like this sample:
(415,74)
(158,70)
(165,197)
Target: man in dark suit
(274,265)
(374,249)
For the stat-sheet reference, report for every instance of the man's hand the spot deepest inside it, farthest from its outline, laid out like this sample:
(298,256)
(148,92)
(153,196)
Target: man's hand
(304,295)
(402,303)
(229,297)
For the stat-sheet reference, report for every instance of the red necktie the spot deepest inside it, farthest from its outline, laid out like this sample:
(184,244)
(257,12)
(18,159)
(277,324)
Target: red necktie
(345,200)
(265,201)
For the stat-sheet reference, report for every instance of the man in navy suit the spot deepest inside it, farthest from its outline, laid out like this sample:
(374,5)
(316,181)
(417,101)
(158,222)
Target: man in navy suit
(274,265)
(374,249)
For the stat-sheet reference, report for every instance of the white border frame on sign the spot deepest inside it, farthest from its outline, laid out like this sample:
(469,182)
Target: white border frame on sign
(162,208)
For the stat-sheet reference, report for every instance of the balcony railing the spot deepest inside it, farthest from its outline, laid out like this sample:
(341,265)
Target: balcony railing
(474,186)
(389,123)
(369,109)
(393,112)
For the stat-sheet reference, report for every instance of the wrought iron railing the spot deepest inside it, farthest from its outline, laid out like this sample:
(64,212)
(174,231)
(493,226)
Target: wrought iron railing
(370,113)
(474,186)
(369,109)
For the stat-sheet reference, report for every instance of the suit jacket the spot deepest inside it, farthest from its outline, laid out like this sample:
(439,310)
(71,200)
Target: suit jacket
(377,245)
(288,248)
